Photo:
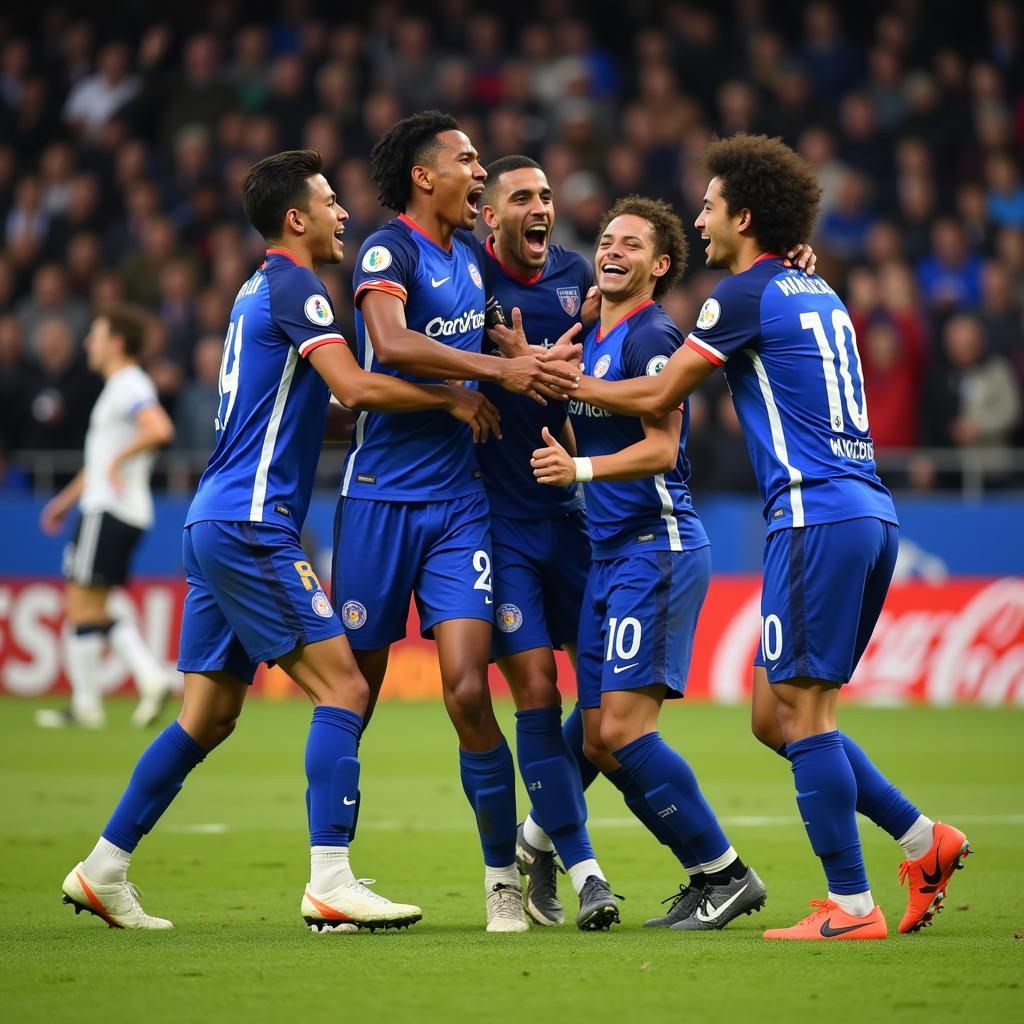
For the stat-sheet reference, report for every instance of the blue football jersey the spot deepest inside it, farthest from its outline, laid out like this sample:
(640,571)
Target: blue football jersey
(791,362)
(417,456)
(655,513)
(273,404)
(550,303)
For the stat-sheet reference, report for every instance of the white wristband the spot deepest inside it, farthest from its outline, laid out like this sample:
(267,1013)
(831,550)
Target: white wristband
(584,470)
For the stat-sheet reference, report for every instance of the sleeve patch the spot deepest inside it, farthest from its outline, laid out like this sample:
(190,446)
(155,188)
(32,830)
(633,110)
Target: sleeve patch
(656,365)
(376,259)
(318,311)
(709,315)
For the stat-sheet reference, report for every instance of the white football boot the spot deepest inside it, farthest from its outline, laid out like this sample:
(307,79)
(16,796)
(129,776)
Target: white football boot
(117,903)
(152,701)
(66,718)
(505,911)
(351,906)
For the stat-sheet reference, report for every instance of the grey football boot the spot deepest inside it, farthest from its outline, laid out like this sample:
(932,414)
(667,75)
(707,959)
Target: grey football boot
(684,903)
(720,904)
(540,870)
(598,909)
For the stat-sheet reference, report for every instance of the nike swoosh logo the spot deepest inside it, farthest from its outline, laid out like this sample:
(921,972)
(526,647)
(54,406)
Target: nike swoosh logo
(348,803)
(936,877)
(829,932)
(437,284)
(717,912)
(622,668)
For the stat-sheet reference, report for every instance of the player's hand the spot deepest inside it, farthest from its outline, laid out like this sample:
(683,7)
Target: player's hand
(473,408)
(804,257)
(528,375)
(51,519)
(567,349)
(591,308)
(510,340)
(553,465)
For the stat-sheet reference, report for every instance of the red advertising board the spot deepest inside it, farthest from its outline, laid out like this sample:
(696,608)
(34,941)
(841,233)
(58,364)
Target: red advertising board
(959,641)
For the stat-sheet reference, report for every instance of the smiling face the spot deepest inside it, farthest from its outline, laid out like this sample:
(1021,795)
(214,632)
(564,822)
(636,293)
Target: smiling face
(521,218)
(717,228)
(324,221)
(455,179)
(626,265)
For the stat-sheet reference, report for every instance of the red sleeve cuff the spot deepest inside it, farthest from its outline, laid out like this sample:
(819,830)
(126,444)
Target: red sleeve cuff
(709,352)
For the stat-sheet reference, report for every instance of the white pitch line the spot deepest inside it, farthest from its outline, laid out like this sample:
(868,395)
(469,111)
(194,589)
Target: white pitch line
(214,828)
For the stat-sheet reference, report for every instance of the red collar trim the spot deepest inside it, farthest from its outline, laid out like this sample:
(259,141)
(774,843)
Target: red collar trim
(285,253)
(409,222)
(489,246)
(768,256)
(625,317)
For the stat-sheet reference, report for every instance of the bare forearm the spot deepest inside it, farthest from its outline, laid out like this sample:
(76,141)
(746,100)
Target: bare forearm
(412,352)
(379,392)
(639,396)
(637,462)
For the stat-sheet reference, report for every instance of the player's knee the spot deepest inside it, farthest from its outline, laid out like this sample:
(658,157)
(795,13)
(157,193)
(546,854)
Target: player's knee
(617,732)
(536,691)
(765,728)
(342,690)
(598,754)
(468,702)
(211,730)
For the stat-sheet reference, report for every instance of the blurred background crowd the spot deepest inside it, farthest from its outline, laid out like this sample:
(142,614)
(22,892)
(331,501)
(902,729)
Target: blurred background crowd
(123,143)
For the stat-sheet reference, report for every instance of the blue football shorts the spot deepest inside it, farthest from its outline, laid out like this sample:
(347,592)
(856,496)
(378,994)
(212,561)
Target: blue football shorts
(824,587)
(639,616)
(540,573)
(252,597)
(387,551)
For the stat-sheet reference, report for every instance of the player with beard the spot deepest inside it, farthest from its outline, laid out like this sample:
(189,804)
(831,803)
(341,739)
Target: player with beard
(790,356)
(412,516)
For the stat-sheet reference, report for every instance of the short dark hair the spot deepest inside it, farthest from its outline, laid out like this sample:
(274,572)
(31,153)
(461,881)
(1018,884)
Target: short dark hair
(667,229)
(777,186)
(129,323)
(407,143)
(276,185)
(501,166)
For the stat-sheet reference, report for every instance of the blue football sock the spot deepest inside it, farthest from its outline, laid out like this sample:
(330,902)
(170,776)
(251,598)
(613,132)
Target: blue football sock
(671,791)
(332,774)
(572,730)
(489,782)
(634,798)
(156,781)
(877,798)
(552,780)
(826,793)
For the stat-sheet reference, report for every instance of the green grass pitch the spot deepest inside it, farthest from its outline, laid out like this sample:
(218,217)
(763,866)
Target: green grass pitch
(228,862)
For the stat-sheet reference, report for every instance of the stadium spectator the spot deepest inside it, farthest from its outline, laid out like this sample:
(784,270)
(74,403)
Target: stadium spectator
(199,399)
(950,276)
(49,301)
(95,99)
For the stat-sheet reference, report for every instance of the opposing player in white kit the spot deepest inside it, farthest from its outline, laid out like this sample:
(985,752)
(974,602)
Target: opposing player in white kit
(112,492)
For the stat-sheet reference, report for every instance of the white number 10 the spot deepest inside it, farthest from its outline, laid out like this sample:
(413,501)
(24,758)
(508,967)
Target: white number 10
(841,323)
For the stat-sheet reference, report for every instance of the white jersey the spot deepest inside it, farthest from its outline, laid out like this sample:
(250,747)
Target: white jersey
(112,428)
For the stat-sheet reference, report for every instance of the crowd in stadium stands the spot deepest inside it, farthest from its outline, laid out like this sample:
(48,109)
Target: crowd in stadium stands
(122,151)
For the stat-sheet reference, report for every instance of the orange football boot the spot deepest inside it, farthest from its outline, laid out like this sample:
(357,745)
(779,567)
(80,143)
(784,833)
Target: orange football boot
(829,921)
(929,875)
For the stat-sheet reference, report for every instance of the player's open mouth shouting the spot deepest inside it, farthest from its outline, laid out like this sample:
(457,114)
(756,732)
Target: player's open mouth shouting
(473,201)
(535,238)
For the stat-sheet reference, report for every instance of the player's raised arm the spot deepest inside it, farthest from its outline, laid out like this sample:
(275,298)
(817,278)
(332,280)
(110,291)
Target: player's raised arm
(398,347)
(379,392)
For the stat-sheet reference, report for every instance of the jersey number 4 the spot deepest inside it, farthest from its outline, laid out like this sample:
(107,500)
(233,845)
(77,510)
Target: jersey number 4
(228,383)
(842,328)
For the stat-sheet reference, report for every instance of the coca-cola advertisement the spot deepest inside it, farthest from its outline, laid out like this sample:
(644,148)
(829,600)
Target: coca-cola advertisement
(948,641)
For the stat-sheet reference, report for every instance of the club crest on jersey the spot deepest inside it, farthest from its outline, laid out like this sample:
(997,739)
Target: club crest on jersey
(376,259)
(570,300)
(321,605)
(656,365)
(709,314)
(318,311)
(353,614)
(601,366)
(509,618)
(474,273)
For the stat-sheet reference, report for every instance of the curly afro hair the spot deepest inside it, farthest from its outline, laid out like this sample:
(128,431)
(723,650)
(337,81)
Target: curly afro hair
(778,187)
(407,143)
(669,235)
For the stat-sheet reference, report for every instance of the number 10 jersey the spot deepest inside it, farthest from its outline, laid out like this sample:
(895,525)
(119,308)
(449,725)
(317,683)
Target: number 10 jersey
(791,362)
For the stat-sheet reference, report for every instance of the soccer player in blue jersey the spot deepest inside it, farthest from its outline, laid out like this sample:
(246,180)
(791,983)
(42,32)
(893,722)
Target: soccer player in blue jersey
(539,539)
(412,494)
(651,561)
(791,360)
(252,594)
